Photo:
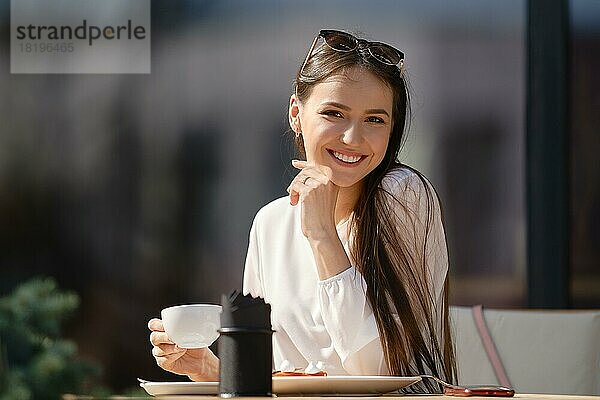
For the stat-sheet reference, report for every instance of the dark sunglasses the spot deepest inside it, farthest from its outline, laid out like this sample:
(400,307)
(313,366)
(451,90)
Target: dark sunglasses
(345,42)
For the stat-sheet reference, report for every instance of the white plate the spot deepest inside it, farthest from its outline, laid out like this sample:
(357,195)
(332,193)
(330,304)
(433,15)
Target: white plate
(171,388)
(282,385)
(356,385)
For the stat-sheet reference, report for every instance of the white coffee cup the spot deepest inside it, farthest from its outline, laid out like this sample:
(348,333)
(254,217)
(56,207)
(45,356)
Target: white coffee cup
(192,326)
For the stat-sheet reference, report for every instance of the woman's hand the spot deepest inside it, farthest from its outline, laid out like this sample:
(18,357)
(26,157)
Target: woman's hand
(313,188)
(317,194)
(197,364)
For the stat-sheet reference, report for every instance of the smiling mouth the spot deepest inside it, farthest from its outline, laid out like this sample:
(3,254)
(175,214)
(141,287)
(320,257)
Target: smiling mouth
(344,159)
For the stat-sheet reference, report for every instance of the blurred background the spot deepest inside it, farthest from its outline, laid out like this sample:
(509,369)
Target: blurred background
(138,191)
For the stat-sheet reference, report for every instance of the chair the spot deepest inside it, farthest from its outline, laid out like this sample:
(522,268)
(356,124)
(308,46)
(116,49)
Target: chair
(542,351)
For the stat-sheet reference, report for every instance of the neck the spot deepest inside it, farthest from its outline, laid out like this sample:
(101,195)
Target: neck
(346,201)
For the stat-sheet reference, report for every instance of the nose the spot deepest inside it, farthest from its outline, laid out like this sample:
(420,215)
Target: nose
(353,135)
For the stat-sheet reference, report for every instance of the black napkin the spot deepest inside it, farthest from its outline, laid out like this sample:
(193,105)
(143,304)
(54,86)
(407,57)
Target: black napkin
(245,347)
(244,312)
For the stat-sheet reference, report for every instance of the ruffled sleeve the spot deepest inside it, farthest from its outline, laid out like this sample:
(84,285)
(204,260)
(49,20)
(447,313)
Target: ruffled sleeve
(350,322)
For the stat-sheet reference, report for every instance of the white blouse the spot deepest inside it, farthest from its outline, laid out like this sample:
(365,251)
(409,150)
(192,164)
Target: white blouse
(328,320)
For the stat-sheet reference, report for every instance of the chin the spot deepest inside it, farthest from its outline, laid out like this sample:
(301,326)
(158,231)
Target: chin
(345,182)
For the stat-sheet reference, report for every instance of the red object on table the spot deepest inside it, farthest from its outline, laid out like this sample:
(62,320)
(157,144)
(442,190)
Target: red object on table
(479,391)
(299,373)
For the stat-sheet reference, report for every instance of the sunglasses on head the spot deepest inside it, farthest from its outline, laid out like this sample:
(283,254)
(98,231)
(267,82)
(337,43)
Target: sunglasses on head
(345,42)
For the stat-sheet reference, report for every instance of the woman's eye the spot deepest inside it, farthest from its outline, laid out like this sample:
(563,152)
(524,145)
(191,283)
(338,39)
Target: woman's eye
(375,120)
(332,113)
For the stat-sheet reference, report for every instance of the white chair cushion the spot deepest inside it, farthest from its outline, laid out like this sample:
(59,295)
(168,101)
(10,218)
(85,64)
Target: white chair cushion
(542,351)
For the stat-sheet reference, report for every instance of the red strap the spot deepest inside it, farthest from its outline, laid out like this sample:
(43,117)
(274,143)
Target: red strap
(489,346)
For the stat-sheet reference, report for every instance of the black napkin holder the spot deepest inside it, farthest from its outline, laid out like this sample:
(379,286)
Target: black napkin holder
(245,347)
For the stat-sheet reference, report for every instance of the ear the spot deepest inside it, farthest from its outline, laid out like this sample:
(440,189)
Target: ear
(294,114)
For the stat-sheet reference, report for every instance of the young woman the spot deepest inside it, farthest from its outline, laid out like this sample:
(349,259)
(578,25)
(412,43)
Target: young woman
(354,260)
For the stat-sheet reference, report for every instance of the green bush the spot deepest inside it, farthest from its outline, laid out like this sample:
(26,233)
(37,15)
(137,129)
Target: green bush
(35,363)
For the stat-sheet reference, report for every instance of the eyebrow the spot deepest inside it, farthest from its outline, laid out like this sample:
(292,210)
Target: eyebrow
(345,107)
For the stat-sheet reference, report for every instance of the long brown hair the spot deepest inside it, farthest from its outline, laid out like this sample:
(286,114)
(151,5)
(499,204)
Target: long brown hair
(392,265)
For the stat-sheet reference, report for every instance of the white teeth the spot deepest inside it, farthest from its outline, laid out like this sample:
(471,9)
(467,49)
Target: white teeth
(348,159)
